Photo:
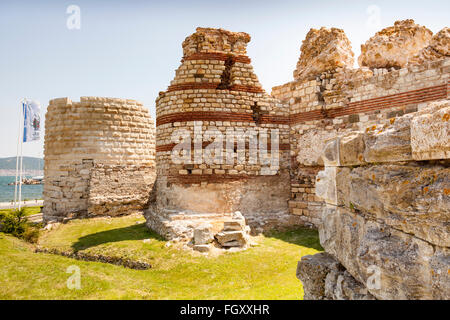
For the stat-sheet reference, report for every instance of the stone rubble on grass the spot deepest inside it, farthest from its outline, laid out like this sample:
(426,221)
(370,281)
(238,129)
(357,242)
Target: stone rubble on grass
(235,234)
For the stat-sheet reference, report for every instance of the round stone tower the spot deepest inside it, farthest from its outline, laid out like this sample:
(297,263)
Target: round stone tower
(222,142)
(99,158)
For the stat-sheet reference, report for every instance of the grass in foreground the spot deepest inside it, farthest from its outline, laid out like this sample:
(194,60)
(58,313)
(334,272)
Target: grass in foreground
(28,210)
(266,271)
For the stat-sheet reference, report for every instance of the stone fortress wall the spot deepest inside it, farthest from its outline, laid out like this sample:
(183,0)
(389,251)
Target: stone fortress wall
(385,226)
(373,146)
(216,90)
(99,158)
(329,97)
(363,156)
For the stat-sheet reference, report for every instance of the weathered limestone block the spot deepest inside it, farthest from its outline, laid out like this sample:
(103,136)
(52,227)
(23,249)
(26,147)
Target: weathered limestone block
(405,266)
(340,285)
(439,48)
(332,185)
(232,238)
(203,234)
(394,46)
(430,132)
(324,278)
(344,150)
(323,50)
(389,143)
(311,271)
(311,146)
(202,247)
(234,225)
(412,198)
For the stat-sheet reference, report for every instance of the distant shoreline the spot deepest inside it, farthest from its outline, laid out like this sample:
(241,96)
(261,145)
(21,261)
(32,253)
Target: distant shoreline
(12,172)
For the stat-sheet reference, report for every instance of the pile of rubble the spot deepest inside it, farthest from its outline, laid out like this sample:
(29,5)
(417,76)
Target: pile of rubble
(235,234)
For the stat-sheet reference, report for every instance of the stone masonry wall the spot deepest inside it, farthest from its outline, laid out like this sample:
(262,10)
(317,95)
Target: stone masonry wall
(99,157)
(216,90)
(341,99)
(385,225)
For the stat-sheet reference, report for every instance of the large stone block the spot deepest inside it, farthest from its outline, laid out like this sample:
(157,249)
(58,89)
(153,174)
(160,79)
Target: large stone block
(340,285)
(332,185)
(203,234)
(430,132)
(311,146)
(395,264)
(413,198)
(344,150)
(389,143)
(312,271)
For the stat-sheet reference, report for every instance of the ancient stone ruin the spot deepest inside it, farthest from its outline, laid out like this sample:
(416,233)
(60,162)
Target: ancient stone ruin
(362,154)
(385,227)
(99,158)
(217,111)
(394,46)
(343,99)
(380,173)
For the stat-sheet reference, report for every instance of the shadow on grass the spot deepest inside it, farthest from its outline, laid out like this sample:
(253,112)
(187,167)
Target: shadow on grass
(300,236)
(135,232)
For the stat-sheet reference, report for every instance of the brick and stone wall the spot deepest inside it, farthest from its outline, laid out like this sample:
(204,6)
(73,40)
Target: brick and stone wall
(216,90)
(99,158)
(385,225)
(339,99)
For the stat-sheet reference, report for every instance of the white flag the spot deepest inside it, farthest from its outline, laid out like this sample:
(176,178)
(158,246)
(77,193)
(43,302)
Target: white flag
(32,120)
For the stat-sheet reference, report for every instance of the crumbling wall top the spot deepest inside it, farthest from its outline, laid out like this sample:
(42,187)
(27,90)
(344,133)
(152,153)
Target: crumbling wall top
(323,50)
(394,46)
(439,48)
(68,101)
(206,40)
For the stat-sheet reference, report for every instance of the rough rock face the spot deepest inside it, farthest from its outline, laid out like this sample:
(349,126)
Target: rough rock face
(439,48)
(410,198)
(323,50)
(409,268)
(394,46)
(311,145)
(390,143)
(386,220)
(324,278)
(215,40)
(430,133)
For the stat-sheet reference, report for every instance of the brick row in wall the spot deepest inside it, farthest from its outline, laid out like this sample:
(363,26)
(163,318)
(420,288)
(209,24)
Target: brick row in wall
(169,147)
(209,85)
(220,116)
(374,104)
(217,56)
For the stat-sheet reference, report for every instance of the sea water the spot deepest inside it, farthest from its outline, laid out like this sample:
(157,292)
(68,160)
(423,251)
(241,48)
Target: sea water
(29,192)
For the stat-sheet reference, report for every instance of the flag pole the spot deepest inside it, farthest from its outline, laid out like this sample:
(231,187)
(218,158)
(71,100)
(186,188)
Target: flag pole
(21,153)
(16,182)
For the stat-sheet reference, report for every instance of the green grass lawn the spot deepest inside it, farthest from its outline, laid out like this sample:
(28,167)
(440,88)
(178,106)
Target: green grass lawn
(266,271)
(28,210)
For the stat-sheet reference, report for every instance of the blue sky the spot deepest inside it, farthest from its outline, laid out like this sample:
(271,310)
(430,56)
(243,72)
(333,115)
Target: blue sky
(130,49)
